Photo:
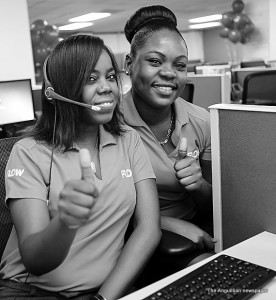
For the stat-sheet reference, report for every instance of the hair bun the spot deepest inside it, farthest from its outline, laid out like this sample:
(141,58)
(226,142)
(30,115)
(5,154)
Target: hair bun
(146,15)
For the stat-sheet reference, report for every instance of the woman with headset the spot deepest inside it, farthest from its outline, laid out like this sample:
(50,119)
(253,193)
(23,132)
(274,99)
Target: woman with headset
(82,176)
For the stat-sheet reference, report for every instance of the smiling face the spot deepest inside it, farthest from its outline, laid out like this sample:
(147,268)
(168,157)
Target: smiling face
(159,69)
(101,90)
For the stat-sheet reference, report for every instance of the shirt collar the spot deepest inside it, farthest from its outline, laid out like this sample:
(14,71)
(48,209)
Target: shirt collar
(133,118)
(130,113)
(106,138)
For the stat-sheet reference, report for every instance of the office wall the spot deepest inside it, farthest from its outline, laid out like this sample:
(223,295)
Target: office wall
(16,58)
(272,26)
(118,43)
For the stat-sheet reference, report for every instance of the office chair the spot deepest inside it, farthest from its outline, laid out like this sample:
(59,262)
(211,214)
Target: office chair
(259,88)
(188,93)
(6,145)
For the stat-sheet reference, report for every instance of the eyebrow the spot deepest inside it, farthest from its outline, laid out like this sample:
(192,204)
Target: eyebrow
(107,71)
(161,54)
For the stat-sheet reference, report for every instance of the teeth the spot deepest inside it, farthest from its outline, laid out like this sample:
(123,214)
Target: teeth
(167,88)
(105,104)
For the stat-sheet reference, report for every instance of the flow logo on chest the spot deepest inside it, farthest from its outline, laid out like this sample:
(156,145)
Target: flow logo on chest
(126,173)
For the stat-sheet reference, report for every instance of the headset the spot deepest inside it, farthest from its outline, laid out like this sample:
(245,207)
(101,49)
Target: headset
(50,93)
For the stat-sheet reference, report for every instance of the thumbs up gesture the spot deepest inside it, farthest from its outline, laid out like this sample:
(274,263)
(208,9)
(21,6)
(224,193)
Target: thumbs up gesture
(187,168)
(78,196)
(182,150)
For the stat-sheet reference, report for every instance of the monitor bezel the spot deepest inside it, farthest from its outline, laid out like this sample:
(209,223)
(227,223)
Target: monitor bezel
(31,91)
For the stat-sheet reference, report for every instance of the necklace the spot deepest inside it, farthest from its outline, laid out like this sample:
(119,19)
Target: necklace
(93,166)
(169,132)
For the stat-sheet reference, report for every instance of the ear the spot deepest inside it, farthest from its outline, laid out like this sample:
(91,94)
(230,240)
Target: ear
(127,64)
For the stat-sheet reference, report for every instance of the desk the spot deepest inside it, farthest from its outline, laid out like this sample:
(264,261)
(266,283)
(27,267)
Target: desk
(260,249)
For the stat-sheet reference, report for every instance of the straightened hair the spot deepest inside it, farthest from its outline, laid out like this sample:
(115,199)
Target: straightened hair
(69,66)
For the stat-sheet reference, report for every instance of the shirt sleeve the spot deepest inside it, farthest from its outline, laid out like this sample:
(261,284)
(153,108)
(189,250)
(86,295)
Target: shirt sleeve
(23,177)
(141,165)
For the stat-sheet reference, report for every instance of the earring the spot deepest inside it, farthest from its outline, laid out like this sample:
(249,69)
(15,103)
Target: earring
(127,72)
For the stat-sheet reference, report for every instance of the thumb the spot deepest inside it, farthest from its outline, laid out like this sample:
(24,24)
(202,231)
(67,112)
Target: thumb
(182,150)
(85,163)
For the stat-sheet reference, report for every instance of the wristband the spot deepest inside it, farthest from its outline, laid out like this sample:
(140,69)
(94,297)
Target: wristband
(99,297)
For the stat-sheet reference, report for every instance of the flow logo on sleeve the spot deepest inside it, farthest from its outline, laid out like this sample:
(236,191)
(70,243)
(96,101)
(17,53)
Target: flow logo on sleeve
(15,172)
(194,154)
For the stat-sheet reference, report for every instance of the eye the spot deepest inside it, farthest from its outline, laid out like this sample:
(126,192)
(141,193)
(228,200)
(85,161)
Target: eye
(92,78)
(181,66)
(111,77)
(154,61)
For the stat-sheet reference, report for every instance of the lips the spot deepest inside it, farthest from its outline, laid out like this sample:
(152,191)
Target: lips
(165,86)
(164,89)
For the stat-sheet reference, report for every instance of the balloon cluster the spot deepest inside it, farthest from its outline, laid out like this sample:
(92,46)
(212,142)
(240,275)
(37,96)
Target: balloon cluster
(237,26)
(44,37)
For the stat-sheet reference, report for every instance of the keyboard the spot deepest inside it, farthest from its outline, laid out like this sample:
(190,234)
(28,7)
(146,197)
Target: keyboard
(224,277)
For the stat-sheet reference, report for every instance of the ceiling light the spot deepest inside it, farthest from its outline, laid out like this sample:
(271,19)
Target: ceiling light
(206,19)
(90,17)
(205,25)
(74,26)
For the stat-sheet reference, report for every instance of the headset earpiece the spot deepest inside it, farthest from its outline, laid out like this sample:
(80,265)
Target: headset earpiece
(49,93)
(49,90)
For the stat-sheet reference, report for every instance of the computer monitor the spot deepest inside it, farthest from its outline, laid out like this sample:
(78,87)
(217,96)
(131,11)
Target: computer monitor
(16,101)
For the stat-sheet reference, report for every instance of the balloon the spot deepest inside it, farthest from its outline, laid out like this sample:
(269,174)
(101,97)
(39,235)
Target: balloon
(248,28)
(227,19)
(244,38)
(234,36)
(50,34)
(238,6)
(38,25)
(40,53)
(224,32)
(240,20)
(35,37)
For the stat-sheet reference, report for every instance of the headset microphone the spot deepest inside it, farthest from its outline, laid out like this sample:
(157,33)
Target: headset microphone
(51,94)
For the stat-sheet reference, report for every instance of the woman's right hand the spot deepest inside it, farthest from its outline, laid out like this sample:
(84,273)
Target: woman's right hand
(78,196)
(202,239)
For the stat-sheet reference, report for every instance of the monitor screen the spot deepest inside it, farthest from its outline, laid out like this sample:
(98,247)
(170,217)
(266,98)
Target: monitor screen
(16,101)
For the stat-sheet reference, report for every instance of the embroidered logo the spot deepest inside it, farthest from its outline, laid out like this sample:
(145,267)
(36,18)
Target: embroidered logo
(126,173)
(194,154)
(15,172)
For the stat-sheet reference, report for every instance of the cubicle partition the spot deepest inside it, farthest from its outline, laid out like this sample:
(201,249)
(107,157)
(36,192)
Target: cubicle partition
(244,171)
(211,89)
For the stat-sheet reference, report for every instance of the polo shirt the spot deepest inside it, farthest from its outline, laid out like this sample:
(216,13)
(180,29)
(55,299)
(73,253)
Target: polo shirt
(99,242)
(192,122)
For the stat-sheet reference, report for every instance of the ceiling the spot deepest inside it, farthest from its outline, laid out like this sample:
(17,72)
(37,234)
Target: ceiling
(57,12)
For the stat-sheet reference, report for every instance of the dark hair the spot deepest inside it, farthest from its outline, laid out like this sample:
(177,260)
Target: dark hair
(147,20)
(68,68)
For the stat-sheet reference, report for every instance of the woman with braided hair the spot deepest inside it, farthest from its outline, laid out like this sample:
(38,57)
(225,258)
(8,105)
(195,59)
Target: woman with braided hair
(157,66)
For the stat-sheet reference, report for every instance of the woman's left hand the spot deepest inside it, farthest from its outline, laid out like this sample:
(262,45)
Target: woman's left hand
(188,171)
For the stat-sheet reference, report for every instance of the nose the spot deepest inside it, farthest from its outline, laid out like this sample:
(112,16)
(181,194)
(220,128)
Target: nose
(104,87)
(167,71)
